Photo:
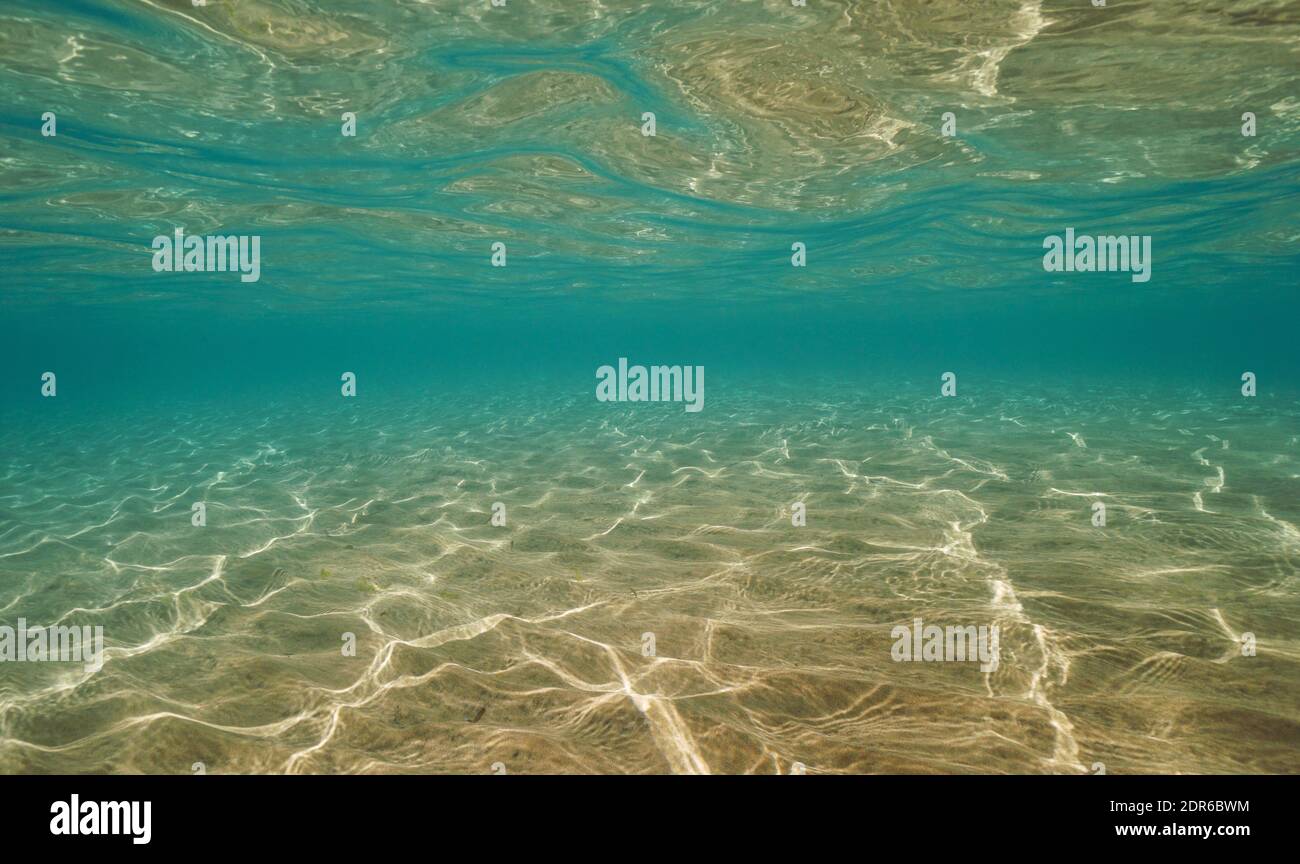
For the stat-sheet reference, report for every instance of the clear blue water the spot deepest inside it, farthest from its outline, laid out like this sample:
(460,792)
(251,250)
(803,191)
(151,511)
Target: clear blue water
(522,643)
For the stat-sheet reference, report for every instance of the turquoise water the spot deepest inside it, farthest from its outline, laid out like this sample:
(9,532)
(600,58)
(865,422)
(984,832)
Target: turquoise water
(520,647)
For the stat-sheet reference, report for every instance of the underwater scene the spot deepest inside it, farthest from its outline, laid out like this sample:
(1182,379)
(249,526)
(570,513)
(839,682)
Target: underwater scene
(649,387)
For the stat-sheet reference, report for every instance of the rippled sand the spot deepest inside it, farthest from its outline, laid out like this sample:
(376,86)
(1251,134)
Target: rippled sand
(523,644)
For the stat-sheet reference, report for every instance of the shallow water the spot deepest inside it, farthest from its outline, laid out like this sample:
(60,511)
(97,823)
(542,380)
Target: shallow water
(522,647)
(1119,643)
